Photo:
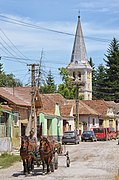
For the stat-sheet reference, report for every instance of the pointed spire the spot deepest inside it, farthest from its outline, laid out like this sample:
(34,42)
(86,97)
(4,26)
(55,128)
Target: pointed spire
(79,50)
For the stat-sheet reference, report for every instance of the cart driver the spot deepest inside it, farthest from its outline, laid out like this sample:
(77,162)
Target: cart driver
(32,139)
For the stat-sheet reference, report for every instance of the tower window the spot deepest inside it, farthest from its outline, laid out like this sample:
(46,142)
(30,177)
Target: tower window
(79,75)
(74,74)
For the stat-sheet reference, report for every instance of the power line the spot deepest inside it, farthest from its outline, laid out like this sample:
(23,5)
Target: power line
(12,43)
(19,70)
(22,62)
(24,76)
(8,57)
(7,49)
(3,51)
(7,45)
(18,22)
(26,59)
(26,64)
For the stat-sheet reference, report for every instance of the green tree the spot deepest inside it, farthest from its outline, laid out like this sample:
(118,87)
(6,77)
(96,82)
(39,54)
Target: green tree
(8,80)
(93,78)
(66,88)
(99,86)
(49,85)
(112,71)
(1,67)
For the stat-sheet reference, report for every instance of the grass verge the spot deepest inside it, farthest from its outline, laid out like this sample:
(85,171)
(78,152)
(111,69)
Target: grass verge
(7,160)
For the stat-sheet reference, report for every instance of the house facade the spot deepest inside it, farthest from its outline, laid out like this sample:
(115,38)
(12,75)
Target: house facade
(106,113)
(55,117)
(88,117)
(54,114)
(6,128)
(51,117)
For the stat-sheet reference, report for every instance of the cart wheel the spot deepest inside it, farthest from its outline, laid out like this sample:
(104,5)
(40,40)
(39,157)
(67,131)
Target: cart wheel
(68,159)
(56,161)
(52,167)
(68,162)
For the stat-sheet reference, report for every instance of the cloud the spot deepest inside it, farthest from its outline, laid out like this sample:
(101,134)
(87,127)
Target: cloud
(30,38)
(98,6)
(58,47)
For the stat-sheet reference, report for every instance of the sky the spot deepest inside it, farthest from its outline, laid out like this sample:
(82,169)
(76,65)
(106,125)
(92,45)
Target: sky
(22,44)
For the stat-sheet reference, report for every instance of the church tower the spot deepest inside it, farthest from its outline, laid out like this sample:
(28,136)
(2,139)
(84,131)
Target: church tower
(79,66)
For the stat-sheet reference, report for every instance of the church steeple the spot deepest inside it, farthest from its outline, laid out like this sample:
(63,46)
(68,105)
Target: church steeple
(79,50)
(79,65)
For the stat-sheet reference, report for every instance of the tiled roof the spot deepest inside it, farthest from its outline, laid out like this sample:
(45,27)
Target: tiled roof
(57,98)
(66,110)
(49,101)
(98,105)
(46,111)
(83,108)
(17,95)
(114,105)
(22,96)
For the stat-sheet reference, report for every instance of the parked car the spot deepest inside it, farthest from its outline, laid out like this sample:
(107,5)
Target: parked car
(88,135)
(70,137)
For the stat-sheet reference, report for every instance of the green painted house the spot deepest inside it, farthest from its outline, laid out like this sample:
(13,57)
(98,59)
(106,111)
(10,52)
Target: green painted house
(50,121)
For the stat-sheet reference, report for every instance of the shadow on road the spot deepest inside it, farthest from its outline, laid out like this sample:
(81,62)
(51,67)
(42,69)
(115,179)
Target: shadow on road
(36,172)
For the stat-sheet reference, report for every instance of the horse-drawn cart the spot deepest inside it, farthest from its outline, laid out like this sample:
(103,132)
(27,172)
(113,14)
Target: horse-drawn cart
(61,150)
(46,155)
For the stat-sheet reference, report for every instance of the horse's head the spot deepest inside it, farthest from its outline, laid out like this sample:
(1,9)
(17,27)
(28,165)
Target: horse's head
(44,144)
(24,142)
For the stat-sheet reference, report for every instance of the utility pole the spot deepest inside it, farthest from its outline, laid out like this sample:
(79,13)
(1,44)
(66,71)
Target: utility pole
(77,107)
(33,120)
(39,70)
(77,83)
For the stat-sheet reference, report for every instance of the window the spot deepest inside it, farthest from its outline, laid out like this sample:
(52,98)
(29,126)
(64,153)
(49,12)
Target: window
(74,74)
(88,120)
(79,75)
(93,121)
(16,119)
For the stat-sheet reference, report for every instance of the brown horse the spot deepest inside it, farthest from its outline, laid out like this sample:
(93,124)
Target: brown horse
(46,151)
(27,153)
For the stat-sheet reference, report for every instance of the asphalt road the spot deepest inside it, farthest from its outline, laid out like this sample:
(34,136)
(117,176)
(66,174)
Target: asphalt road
(89,161)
